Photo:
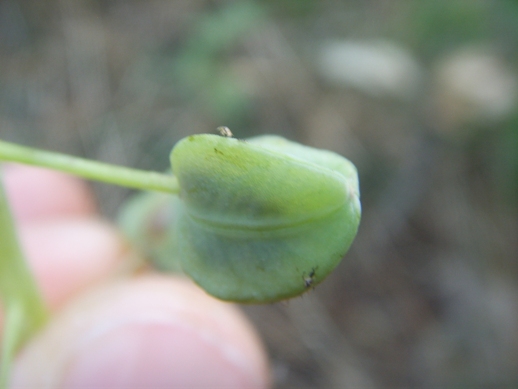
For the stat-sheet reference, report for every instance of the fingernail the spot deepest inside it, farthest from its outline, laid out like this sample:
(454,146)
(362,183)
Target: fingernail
(157,355)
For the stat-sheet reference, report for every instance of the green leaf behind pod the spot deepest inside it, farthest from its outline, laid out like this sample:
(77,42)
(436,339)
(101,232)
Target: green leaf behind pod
(264,219)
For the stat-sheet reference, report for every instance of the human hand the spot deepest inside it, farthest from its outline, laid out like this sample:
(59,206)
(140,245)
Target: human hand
(147,331)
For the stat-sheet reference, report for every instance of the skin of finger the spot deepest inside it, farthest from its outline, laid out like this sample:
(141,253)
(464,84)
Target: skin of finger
(40,194)
(66,245)
(68,255)
(62,353)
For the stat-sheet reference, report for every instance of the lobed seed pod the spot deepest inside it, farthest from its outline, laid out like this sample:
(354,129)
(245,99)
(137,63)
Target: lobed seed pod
(259,218)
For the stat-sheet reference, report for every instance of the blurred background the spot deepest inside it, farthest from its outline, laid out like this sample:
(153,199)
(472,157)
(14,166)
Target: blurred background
(422,95)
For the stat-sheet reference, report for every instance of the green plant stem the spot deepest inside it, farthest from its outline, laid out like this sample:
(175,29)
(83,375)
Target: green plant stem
(24,309)
(11,339)
(132,178)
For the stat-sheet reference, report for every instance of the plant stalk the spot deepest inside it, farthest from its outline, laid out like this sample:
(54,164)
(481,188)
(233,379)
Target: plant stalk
(24,309)
(132,178)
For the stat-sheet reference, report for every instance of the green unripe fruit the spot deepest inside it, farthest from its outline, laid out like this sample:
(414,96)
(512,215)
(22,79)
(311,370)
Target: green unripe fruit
(264,219)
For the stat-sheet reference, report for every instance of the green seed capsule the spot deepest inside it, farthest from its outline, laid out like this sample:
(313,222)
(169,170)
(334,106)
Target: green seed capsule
(264,219)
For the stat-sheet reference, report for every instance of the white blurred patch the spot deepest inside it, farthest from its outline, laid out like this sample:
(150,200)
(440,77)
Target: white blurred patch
(474,85)
(377,68)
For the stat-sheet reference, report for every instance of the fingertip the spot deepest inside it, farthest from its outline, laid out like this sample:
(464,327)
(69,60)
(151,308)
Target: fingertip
(68,255)
(148,332)
(35,193)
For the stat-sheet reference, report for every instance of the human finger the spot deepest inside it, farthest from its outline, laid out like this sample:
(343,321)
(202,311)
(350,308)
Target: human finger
(35,193)
(153,332)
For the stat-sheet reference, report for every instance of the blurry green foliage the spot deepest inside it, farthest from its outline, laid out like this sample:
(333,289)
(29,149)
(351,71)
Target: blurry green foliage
(506,161)
(200,69)
(435,25)
(292,8)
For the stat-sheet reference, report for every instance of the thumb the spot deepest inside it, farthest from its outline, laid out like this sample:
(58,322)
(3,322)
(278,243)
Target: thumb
(152,332)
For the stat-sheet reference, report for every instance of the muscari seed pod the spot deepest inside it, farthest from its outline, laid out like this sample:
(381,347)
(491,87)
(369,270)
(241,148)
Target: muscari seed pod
(259,218)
